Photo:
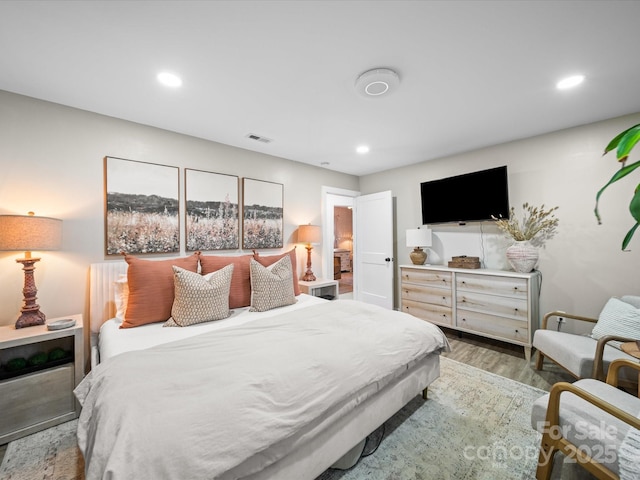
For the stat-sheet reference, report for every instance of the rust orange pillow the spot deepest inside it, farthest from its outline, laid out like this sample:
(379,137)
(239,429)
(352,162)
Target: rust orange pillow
(240,291)
(271,259)
(151,289)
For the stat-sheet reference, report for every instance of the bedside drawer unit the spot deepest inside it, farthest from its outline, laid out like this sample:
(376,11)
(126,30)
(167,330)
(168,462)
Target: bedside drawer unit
(35,398)
(501,328)
(432,313)
(41,395)
(426,294)
(493,304)
(512,287)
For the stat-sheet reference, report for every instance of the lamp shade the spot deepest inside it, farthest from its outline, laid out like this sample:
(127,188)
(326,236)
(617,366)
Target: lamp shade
(28,232)
(419,237)
(309,234)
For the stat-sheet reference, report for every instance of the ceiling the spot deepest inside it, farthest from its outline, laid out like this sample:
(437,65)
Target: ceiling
(472,73)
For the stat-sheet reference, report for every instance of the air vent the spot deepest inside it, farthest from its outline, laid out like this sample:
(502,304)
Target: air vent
(258,138)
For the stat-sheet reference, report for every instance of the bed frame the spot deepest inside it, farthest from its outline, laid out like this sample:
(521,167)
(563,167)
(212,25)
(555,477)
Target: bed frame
(313,455)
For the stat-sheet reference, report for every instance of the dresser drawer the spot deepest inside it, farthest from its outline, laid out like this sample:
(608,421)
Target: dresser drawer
(426,294)
(432,313)
(494,285)
(427,277)
(514,331)
(512,307)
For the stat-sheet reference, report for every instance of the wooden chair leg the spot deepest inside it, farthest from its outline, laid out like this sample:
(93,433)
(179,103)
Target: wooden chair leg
(539,360)
(545,459)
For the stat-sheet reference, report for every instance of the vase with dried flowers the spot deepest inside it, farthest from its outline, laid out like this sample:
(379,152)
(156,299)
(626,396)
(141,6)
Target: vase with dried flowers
(537,226)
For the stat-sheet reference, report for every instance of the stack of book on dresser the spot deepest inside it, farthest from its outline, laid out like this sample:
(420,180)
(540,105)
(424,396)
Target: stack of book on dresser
(464,262)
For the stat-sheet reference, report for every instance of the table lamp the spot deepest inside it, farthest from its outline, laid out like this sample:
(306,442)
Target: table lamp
(27,233)
(418,237)
(309,234)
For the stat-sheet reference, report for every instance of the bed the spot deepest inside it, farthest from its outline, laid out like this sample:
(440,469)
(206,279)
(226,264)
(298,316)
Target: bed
(283,393)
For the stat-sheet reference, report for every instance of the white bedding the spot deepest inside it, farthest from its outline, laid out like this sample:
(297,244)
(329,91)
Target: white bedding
(234,400)
(114,340)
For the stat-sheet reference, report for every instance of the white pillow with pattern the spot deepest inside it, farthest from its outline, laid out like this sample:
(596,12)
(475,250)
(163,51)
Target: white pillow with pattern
(200,298)
(272,286)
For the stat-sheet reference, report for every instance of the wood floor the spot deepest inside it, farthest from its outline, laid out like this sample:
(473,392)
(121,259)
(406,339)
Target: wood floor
(493,356)
(503,359)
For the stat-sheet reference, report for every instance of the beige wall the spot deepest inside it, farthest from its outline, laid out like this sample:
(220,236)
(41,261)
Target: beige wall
(51,162)
(583,265)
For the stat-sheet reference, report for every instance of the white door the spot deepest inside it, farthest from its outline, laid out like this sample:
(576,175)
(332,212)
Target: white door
(373,238)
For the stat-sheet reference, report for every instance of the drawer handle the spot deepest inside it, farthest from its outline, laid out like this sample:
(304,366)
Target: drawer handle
(516,330)
(515,288)
(444,298)
(515,309)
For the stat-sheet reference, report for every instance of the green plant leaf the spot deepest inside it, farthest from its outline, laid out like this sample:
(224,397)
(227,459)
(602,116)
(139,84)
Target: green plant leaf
(634,206)
(623,172)
(614,143)
(629,236)
(627,142)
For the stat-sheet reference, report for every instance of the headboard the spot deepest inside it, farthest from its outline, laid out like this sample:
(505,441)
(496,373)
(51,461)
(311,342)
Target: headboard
(102,305)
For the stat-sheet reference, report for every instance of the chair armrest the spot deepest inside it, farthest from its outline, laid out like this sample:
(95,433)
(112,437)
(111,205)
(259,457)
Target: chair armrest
(553,408)
(598,365)
(558,313)
(616,365)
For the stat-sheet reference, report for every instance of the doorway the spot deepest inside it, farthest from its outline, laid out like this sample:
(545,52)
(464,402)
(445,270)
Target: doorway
(338,245)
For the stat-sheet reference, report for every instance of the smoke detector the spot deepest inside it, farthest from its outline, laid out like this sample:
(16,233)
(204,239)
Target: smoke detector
(377,82)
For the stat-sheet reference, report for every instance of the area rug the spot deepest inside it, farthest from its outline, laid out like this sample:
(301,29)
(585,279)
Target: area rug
(475,425)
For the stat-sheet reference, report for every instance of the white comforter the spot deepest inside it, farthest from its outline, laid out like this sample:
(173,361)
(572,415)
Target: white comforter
(214,405)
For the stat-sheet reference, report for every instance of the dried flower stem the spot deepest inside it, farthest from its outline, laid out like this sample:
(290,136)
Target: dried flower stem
(536,223)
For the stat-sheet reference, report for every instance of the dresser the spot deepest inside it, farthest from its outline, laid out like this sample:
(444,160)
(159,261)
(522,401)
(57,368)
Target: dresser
(345,259)
(497,304)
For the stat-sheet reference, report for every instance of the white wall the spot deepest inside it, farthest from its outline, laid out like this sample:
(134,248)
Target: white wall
(51,162)
(583,265)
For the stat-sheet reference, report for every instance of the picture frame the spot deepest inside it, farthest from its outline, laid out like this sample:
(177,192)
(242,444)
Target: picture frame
(142,210)
(212,219)
(262,214)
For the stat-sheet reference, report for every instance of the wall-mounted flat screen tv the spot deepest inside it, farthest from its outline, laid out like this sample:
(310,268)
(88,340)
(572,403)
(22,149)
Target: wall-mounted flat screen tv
(464,198)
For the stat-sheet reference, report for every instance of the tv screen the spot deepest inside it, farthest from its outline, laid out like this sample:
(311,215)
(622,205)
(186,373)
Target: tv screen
(464,198)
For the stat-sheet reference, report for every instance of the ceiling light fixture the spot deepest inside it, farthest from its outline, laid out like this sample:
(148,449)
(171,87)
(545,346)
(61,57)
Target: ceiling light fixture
(169,79)
(570,82)
(362,149)
(377,82)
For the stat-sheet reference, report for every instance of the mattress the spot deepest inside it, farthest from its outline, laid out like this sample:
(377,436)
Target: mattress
(114,340)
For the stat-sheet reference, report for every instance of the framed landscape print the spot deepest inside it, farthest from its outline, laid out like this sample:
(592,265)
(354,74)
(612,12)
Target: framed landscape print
(142,209)
(262,205)
(212,213)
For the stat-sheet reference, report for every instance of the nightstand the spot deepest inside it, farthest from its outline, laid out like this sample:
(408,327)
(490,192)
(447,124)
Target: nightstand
(320,288)
(39,397)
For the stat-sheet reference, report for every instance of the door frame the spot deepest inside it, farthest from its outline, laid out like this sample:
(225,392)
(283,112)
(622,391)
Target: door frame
(328,195)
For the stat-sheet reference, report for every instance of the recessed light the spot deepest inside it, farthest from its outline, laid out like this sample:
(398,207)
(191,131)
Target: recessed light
(362,149)
(169,79)
(570,82)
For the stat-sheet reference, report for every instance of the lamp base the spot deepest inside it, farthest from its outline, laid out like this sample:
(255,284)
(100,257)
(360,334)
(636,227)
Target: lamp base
(308,275)
(31,314)
(30,319)
(418,256)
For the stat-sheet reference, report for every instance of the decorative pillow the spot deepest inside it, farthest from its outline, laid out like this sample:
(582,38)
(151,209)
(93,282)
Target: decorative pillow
(271,259)
(200,298)
(240,293)
(271,287)
(151,288)
(617,318)
(121,295)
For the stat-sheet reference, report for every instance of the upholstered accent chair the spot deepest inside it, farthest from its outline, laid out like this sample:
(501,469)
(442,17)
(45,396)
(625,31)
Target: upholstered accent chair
(592,422)
(589,356)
